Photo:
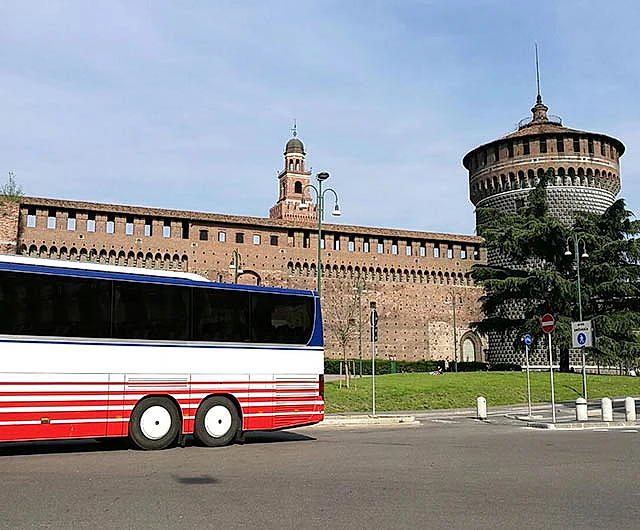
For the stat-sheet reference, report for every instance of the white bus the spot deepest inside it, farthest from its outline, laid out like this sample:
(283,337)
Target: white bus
(92,351)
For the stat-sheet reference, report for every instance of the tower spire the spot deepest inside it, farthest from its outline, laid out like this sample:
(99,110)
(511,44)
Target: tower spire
(539,97)
(294,130)
(539,110)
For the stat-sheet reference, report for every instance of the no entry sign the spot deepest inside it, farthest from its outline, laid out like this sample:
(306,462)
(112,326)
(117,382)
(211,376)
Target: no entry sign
(547,323)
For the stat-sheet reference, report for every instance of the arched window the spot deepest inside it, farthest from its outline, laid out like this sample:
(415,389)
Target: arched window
(297,187)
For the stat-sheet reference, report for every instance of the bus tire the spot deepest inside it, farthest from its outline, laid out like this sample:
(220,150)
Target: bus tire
(154,423)
(217,422)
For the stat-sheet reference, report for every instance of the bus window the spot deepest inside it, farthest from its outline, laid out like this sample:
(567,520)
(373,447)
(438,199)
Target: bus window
(45,305)
(221,315)
(282,319)
(150,311)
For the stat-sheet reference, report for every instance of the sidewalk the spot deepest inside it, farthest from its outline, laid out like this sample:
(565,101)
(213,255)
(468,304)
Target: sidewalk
(540,416)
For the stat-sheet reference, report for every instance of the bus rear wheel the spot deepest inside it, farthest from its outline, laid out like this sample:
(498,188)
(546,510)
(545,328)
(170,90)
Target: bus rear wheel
(217,422)
(154,423)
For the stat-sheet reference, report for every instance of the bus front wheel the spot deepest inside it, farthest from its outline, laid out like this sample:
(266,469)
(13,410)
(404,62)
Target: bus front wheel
(154,423)
(217,422)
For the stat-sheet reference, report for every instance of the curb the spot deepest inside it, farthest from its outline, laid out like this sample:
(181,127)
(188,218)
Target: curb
(581,425)
(353,420)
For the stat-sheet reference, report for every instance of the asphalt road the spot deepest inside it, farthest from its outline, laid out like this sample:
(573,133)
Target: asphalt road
(446,473)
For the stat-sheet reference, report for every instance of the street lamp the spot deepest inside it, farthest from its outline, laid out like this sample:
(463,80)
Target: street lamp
(359,289)
(235,265)
(321,177)
(576,253)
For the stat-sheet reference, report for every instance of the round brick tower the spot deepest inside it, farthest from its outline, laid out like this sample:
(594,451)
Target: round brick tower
(585,166)
(586,177)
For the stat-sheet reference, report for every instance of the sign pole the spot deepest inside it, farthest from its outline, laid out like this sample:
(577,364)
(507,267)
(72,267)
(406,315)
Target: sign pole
(526,355)
(553,399)
(374,338)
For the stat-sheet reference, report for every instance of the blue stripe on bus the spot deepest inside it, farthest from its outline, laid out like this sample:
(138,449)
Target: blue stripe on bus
(235,346)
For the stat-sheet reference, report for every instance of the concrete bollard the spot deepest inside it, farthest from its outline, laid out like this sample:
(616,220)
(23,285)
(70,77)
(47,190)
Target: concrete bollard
(630,409)
(481,406)
(581,410)
(607,409)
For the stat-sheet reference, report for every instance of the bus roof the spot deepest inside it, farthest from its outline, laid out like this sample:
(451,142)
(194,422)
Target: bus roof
(117,272)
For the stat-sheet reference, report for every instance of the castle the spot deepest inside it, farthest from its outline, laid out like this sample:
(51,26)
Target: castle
(420,281)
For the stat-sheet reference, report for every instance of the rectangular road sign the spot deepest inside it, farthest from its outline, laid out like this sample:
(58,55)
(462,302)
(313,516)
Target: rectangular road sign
(582,333)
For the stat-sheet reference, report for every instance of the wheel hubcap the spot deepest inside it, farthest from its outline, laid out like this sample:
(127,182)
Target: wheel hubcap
(155,422)
(218,420)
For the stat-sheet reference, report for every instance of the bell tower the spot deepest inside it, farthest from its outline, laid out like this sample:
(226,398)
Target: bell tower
(293,183)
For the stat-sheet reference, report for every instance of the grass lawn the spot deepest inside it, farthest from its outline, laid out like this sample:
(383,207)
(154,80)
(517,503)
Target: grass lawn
(421,391)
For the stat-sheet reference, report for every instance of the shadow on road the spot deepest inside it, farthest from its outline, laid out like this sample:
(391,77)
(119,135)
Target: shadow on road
(124,444)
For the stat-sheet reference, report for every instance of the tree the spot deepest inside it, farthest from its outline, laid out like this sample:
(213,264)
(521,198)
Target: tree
(341,318)
(11,191)
(536,277)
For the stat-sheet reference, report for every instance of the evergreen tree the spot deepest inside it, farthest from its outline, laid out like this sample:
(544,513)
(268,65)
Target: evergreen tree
(537,276)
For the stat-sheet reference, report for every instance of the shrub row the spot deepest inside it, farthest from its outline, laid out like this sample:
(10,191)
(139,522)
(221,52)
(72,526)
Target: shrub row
(384,366)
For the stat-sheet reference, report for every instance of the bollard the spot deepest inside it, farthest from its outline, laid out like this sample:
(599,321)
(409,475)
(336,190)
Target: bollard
(630,409)
(581,410)
(607,409)
(481,405)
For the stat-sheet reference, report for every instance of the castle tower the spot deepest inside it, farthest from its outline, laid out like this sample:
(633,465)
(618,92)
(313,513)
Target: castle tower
(293,183)
(585,167)
(585,173)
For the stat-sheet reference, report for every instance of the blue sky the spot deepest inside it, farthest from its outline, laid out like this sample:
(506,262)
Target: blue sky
(188,105)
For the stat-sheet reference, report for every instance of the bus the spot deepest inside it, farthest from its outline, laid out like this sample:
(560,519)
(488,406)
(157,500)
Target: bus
(95,351)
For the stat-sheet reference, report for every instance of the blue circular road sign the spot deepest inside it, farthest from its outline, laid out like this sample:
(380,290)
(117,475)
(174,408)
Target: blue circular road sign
(581,339)
(527,339)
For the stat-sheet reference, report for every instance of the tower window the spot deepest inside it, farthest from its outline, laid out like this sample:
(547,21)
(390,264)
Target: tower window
(239,237)
(273,241)
(543,145)
(204,235)
(590,145)
(91,222)
(222,236)
(71,221)
(111,224)
(297,187)
(510,149)
(497,153)
(560,144)
(525,147)
(51,219)
(31,217)
(576,145)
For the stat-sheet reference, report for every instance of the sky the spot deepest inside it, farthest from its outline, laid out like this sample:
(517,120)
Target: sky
(188,105)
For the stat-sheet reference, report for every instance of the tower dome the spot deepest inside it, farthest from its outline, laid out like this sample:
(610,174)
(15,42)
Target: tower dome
(294,146)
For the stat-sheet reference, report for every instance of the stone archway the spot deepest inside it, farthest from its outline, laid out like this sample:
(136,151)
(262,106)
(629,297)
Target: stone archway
(470,348)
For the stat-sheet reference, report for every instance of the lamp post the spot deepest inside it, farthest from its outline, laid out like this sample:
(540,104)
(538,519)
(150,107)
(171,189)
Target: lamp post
(359,289)
(576,253)
(321,177)
(235,265)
